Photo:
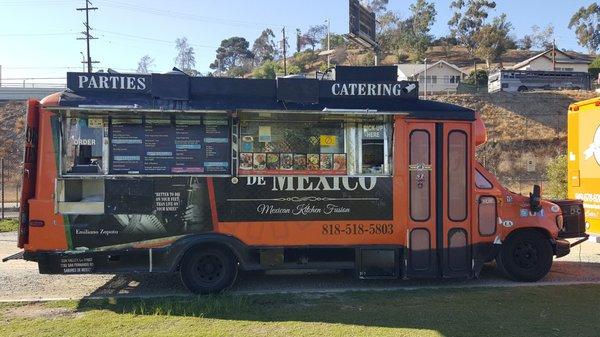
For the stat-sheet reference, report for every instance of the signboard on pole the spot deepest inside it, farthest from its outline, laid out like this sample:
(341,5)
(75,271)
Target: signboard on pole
(362,25)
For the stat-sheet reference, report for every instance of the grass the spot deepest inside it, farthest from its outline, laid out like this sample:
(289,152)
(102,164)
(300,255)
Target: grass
(9,225)
(524,311)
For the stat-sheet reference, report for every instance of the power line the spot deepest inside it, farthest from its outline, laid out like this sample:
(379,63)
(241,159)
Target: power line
(87,37)
(149,38)
(181,15)
(35,34)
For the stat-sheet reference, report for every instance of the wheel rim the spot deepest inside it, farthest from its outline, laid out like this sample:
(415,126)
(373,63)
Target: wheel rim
(209,269)
(526,255)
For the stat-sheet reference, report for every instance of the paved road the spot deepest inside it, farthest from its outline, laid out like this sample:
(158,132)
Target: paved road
(20,281)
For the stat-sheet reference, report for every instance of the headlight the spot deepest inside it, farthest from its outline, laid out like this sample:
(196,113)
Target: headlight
(559,222)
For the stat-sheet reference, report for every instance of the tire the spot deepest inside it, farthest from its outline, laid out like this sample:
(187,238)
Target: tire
(208,270)
(522,88)
(525,256)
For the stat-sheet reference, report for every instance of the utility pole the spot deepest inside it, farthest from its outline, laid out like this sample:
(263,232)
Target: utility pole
(87,37)
(554,55)
(284,42)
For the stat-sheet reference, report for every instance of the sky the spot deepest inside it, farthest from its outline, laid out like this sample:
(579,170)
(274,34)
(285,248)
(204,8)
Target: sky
(38,38)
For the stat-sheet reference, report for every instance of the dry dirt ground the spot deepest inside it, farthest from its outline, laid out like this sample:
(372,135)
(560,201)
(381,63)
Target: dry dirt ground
(20,280)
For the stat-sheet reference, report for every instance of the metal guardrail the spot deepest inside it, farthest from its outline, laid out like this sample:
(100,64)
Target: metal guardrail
(12,93)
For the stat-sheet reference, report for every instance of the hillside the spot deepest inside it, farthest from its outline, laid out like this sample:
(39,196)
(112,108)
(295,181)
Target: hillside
(521,127)
(12,137)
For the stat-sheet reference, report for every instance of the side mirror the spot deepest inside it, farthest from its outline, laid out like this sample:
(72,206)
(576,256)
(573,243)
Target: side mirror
(535,199)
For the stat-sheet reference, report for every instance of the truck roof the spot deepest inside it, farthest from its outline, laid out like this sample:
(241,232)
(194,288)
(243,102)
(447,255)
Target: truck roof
(179,92)
(592,101)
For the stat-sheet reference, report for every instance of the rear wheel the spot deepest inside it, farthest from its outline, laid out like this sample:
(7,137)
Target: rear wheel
(208,270)
(522,88)
(526,256)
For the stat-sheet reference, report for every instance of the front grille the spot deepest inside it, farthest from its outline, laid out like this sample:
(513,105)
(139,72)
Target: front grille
(573,218)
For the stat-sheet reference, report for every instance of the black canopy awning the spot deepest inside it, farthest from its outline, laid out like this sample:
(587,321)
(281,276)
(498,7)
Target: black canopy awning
(178,92)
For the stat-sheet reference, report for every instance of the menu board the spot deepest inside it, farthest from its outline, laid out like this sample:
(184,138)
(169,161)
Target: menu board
(127,145)
(182,145)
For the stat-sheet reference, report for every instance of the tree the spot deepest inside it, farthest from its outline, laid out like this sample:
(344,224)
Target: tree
(493,40)
(186,57)
(313,36)
(412,34)
(144,64)
(304,60)
(542,38)
(335,40)
(264,47)
(268,70)
(526,43)
(233,56)
(586,22)
(468,18)
(594,68)
(386,30)
(477,77)
(376,6)
(299,42)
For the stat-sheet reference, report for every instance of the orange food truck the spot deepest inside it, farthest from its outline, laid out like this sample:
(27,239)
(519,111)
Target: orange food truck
(206,176)
(584,160)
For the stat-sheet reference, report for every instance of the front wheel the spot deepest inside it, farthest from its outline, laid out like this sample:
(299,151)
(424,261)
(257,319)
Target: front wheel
(526,256)
(208,270)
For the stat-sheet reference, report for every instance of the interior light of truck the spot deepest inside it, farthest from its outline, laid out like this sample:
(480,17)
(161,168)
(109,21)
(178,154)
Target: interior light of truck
(36,223)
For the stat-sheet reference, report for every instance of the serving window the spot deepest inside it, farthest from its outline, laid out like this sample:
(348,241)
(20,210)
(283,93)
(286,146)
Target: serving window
(146,144)
(281,144)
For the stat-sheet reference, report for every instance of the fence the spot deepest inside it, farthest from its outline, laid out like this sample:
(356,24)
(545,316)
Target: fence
(10,189)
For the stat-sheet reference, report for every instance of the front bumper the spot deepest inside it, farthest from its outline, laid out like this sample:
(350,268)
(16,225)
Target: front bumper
(562,247)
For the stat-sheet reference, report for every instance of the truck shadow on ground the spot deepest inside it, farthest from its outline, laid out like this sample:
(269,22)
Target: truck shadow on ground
(161,285)
(437,305)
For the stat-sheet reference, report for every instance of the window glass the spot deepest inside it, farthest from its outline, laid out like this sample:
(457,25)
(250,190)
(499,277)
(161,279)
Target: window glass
(420,169)
(289,145)
(481,181)
(292,147)
(373,150)
(457,175)
(83,151)
(487,215)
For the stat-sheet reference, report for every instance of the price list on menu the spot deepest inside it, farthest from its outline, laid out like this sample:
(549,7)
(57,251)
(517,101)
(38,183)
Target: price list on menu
(188,146)
(217,152)
(185,145)
(127,145)
(158,145)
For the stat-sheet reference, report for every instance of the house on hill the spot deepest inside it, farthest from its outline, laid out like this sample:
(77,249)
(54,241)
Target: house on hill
(561,61)
(441,76)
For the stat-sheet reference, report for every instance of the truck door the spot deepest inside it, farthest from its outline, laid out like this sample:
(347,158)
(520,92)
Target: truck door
(438,171)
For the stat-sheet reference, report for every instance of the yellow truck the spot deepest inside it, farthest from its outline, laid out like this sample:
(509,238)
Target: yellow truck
(584,160)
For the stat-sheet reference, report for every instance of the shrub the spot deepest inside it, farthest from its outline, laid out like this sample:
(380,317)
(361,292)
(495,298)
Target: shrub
(556,173)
